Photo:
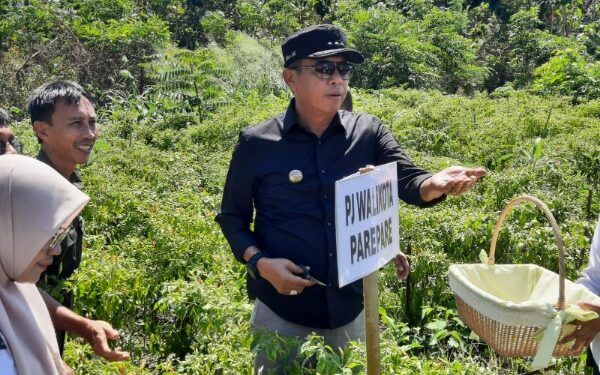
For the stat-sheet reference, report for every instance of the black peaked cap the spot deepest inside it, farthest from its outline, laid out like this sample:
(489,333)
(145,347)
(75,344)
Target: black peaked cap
(318,41)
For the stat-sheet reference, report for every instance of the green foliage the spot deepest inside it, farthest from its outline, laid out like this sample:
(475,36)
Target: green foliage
(246,65)
(429,53)
(35,45)
(276,19)
(157,267)
(189,77)
(207,79)
(529,45)
(569,74)
(79,40)
(453,46)
(119,44)
(587,161)
(172,103)
(216,26)
(591,38)
(104,10)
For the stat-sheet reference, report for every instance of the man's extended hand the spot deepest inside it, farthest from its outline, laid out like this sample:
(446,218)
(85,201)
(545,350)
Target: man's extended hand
(97,333)
(282,274)
(402,266)
(586,331)
(68,369)
(453,180)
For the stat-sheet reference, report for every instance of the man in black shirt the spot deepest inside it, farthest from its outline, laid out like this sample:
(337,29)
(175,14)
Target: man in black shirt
(64,121)
(282,176)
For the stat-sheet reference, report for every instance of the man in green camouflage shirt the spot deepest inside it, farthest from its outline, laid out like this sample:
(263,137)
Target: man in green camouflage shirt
(64,121)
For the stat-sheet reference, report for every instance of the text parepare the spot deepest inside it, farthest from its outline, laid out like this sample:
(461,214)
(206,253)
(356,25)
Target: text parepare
(368,242)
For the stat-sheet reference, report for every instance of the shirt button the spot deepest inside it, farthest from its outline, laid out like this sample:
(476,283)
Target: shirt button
(329,223)
(331,255)
(320,142)
(324,196)
(323,171)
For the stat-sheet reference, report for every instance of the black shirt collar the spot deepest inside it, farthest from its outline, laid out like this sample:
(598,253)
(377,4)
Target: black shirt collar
(74,178)
(290,119)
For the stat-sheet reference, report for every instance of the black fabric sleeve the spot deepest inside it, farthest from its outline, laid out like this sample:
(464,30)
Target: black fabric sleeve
(410,177)
(237,207)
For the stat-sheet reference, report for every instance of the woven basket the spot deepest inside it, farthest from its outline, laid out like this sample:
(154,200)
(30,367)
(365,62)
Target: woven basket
(508,326)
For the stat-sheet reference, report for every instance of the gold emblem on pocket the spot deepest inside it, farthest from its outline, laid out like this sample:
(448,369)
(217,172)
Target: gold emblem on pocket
(295,176)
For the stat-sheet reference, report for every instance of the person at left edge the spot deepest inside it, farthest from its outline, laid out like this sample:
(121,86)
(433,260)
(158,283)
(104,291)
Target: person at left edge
(10,144)
(64,121)
(586,332)
(37,205)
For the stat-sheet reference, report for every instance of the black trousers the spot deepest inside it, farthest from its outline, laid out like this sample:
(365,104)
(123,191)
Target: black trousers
(591,363)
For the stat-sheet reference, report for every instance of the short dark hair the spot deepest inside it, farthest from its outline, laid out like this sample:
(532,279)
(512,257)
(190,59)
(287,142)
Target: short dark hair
(5,118)
(42,102)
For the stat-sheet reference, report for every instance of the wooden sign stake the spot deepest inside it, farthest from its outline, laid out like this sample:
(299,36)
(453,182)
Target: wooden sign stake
(371,298)
(371,293)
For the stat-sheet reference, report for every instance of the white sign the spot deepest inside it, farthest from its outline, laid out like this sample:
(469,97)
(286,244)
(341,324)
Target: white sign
(366,222)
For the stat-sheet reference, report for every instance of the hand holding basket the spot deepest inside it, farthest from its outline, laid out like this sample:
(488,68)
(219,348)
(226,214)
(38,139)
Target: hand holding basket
(506,305)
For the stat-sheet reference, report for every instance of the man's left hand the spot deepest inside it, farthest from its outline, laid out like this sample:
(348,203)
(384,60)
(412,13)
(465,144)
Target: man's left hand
(586,331)
(402,266)
(453,180)
(97,333)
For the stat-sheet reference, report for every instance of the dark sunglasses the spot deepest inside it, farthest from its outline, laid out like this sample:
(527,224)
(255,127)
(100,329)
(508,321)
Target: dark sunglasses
(59,236)
(326,69)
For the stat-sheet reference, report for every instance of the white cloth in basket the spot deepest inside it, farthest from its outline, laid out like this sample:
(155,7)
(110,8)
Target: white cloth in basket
(514,294)
(520,295)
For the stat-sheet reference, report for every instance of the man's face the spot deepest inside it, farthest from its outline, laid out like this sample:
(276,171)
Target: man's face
(317,95)
(71,135)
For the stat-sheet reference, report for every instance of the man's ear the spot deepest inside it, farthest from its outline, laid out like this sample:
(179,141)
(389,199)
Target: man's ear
(40,128)
(289,77)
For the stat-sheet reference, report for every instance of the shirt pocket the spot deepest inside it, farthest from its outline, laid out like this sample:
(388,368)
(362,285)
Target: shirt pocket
(275,188)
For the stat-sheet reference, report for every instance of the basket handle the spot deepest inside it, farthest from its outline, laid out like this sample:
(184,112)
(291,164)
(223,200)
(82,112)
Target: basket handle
(560,305)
